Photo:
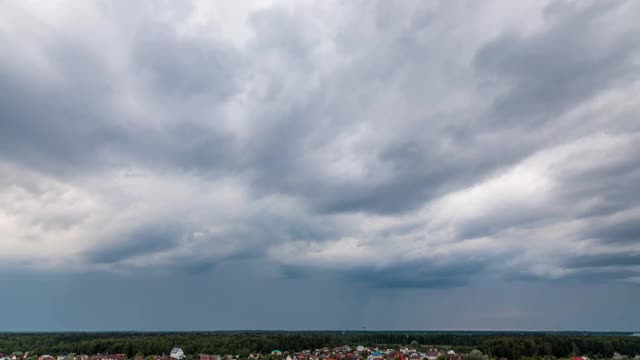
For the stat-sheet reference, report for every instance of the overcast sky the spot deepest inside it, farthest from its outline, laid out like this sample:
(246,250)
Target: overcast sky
(319,165)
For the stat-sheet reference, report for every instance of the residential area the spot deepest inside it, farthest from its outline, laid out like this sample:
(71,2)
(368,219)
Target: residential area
(344,352)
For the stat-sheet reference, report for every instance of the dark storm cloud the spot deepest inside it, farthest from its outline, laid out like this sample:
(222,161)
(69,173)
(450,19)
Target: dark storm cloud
(61,125)
(326,125)
(68,122)
(185,67)
(620,232)
(604,260)
(190,147)
(422,275)
(417,167)
(405,276)
(141,241)
(415,177)
(385,58)
(552,70)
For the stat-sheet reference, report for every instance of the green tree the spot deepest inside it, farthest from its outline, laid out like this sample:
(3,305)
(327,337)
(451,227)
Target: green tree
(475,355)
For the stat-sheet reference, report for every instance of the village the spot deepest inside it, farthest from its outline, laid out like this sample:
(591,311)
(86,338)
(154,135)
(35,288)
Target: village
(344,352)
(338,353)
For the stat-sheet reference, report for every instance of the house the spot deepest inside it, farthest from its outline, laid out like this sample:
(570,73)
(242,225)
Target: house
(116,357)
(17,355)
(45,357)
(432,354)
(107,357)
(177,354)
(218,357)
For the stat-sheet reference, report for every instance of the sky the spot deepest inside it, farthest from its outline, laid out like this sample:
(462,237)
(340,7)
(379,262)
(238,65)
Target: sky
(423,165)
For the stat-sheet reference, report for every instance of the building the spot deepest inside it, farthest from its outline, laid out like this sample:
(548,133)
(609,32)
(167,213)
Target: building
(432,354)
(177,354)
(213,357)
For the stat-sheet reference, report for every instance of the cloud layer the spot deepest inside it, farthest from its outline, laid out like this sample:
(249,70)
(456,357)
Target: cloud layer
(399,144)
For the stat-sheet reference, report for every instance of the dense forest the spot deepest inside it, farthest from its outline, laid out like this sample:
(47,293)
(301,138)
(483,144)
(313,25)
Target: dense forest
(510,345)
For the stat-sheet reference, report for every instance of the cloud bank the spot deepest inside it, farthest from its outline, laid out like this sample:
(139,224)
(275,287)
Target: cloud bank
(399,144)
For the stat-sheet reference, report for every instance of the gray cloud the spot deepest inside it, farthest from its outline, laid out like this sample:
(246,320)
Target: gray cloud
(179,68)
(56,125)
(625,232)
(395,148)
(603,260)
(552,70)
(141,241)
(423,275)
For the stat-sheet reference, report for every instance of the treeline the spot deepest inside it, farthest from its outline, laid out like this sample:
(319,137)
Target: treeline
(560,346)
(511,346)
